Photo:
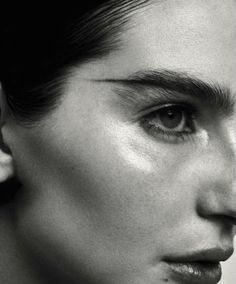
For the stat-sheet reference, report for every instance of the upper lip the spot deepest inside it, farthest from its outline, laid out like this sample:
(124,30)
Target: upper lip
(213,255)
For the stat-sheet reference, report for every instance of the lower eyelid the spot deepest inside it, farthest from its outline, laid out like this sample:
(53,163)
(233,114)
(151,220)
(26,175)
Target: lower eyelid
(170,138)
(167,136)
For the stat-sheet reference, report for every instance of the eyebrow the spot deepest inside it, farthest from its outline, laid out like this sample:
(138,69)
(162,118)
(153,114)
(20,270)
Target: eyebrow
(212,94)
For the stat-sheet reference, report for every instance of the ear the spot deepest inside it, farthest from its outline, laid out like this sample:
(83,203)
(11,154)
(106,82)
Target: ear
(6,161)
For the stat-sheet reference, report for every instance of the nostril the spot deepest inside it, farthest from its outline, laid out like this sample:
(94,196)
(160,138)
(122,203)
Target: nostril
(229,219)
(232,217)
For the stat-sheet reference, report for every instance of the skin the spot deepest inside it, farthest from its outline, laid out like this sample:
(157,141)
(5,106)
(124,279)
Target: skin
(105,201)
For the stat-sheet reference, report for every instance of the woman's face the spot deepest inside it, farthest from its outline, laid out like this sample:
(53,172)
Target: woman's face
(136,166)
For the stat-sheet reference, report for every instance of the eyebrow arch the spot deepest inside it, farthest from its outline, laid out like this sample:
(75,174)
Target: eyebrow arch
(216,96)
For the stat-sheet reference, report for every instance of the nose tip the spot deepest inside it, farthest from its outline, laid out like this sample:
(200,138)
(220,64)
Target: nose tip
(227,203)
(219,205)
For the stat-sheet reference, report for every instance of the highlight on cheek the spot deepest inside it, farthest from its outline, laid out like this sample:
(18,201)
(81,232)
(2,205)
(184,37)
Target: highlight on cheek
(203,137)
(132,150)
(137,160)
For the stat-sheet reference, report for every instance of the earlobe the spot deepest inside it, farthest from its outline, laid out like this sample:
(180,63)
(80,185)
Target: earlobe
(6,161)
(6,166)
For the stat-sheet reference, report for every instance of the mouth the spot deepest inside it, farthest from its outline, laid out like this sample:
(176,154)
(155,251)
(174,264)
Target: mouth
(199,267)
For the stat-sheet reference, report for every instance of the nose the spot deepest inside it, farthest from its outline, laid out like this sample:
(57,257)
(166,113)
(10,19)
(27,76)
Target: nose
(217,194)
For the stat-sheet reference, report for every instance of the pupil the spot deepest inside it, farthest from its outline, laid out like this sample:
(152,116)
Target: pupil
(171,118)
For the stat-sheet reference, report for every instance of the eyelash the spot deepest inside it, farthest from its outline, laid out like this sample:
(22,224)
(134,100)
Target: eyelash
(171,136)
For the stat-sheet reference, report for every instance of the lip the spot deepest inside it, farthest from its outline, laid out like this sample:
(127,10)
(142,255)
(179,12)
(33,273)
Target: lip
(198,267)
(195,272)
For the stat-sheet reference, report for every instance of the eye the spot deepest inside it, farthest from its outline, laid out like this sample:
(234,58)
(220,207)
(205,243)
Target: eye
(174,118)
(170,122)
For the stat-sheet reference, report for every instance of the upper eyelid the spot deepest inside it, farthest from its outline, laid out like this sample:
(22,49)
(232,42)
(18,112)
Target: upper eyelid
(216,96)
(145,104)
(187,106)
(145,98)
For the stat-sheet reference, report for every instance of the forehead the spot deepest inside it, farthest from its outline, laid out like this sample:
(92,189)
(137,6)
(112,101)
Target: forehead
(195,36)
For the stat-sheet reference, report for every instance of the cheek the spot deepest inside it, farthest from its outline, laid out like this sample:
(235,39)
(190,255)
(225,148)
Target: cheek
(104,200)
(123,180)
(126,180)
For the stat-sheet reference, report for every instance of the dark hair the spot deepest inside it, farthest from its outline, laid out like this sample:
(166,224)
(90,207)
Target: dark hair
(39,47)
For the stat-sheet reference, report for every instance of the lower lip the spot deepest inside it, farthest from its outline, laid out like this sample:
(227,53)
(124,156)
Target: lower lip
(195,272)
